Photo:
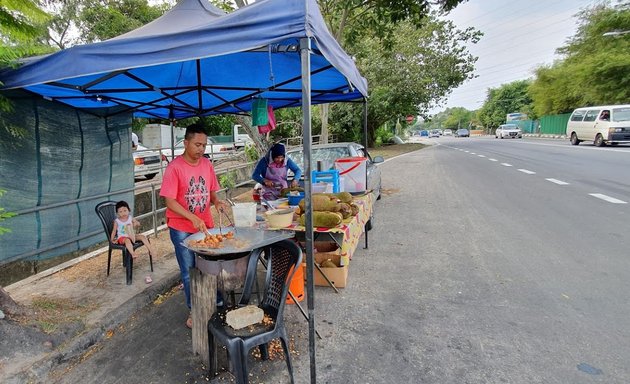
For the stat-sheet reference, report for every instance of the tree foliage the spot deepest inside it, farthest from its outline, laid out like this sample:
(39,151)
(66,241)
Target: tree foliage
(103,19)
(508,98)
(352,20)
(21,23)
(595,69)
(417,73)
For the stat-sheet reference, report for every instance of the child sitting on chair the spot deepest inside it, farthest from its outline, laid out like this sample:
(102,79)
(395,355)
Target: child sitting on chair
(123,232)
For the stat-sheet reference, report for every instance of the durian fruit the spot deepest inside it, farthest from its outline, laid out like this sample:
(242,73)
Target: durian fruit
(355,209)
(323,219)
(320,202)
(345,197)
(345,210)
(328,263)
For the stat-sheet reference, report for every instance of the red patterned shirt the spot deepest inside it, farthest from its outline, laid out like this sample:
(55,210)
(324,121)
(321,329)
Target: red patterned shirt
(190,185)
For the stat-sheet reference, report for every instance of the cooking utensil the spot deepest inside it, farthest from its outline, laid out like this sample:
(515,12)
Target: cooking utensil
(228,218)
(220,222)
(247,240)
(265,203)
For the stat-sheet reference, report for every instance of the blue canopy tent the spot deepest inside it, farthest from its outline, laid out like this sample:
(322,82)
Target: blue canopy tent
(196,60)
(179,66)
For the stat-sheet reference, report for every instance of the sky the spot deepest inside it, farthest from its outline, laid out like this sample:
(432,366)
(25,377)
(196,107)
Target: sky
(519,35)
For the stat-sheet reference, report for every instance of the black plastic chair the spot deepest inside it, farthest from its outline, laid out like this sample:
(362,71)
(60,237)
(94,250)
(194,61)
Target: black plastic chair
(106,211)
(282,259)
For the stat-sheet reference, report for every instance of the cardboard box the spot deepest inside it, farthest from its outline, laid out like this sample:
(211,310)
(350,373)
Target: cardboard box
(338,275)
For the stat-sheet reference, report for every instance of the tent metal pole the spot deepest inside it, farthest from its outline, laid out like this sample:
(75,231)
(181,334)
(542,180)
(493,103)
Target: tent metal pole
(172,141)
(305,57)
(365,120)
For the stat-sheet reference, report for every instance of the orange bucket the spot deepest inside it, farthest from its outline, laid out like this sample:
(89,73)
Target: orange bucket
(297,285)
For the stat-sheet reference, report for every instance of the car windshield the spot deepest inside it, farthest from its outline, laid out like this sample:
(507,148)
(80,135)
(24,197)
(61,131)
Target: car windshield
(621,114)
(326,155)
(510,126)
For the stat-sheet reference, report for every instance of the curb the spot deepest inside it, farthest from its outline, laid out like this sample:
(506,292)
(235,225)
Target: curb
(545,136)
(73,348)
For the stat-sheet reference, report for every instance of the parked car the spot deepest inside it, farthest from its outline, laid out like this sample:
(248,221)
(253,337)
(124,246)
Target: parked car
(462,132)
(213,151)
(511,131)
(328,153)
(602,125)
(434,133)
(448,132)
(424,133)
(147,162)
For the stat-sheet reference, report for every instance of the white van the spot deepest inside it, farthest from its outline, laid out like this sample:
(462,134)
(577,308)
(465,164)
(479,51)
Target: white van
(608,124)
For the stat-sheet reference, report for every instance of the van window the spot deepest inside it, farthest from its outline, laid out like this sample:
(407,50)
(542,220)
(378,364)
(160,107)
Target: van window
(621,114)
(591,115)
(578,115)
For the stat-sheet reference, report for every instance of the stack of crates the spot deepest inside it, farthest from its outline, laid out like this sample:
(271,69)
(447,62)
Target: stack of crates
(331,176)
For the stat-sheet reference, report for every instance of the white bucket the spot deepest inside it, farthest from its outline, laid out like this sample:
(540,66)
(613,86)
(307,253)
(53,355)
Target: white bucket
(353,172)
(244,214)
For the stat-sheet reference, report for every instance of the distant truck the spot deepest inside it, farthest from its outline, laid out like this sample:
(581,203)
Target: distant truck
(240,138)
(516,116)
(155,136)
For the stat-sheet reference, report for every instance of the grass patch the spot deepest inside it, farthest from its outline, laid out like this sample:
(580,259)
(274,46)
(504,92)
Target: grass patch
(48,314)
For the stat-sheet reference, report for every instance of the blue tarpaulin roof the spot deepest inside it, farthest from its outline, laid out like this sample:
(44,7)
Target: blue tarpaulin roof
(196,60)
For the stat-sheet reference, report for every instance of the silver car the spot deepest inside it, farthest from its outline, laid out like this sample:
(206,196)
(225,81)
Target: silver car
(511,131)
(147,162)
(326,154)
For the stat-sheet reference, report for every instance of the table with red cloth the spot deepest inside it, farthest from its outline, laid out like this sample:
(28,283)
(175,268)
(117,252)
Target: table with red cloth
(348,233)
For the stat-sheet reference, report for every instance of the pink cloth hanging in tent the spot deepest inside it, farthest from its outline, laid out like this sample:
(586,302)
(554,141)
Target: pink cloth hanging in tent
(271,125)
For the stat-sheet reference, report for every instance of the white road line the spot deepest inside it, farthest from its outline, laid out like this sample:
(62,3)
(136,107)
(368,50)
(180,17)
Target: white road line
(481,155)
(491,159)
(467,151)
(608,198)
(472,153)
(527,171)
(506,164)
(556,181)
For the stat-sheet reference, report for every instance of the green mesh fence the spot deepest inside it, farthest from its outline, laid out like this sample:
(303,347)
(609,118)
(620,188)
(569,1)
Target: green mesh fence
(526,126)
(554,124)
(51,155)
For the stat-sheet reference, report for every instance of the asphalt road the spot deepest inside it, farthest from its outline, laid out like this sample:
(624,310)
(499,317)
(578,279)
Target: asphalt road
(478,271)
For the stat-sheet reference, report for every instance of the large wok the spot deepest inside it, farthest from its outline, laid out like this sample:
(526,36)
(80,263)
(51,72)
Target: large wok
(229,263)
(245,240)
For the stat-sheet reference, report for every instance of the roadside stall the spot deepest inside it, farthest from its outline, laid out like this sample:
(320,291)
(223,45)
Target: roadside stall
(194,61)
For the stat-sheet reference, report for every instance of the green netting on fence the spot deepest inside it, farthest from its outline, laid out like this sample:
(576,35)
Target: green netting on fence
(51,155)
(527,126)
(554,124)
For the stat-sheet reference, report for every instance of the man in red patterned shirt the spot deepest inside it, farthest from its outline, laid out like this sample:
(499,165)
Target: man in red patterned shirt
(189,187)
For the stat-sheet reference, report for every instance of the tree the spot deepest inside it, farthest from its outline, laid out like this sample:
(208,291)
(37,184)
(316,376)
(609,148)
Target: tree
(458,117)
(595,69)
(103,19)
(351,21)
(508,98)
(22,23)
(417,73)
